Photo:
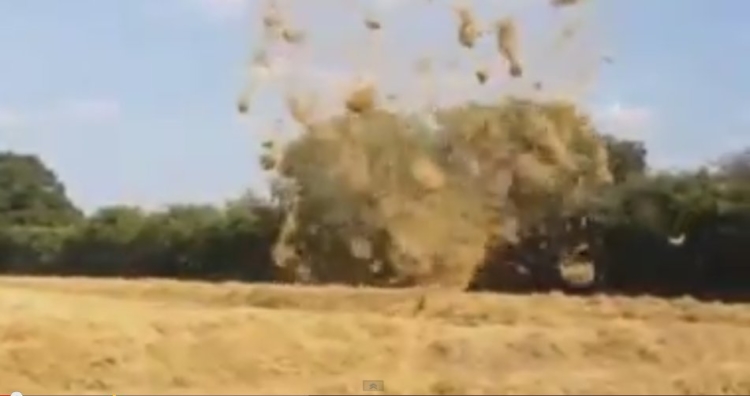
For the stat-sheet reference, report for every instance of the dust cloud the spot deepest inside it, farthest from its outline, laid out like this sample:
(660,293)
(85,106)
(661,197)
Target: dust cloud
(403,175)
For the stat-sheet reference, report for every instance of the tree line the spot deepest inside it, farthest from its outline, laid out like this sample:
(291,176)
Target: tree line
(650,232)
(43,233)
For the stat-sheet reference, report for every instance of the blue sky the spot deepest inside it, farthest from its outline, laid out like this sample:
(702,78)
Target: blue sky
(133,101)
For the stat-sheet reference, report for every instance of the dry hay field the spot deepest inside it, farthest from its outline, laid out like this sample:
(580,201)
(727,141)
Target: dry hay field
(116,336)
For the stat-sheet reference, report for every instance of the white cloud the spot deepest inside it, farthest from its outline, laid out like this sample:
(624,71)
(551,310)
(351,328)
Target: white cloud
(90,110)
(10,119)
(632,122)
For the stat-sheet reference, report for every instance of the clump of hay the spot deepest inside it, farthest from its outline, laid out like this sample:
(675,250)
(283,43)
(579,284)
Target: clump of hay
(482,75)
(468,27)
(372,23)
(507,43)
(362,97)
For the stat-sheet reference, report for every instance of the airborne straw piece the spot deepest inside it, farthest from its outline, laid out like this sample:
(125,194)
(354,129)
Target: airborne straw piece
(267,162)
(272,21)
(481,75)
(276,26)
(292,36)
(468,28)
(372,23)
(260,71)
(269,159)
(507,43)
(362,97)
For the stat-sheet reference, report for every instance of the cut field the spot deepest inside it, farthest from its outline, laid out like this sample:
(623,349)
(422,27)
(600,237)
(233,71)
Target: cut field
(160,337)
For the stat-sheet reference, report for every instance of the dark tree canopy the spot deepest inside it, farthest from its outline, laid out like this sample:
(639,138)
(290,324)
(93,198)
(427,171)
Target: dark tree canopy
(31,194)
(626,157)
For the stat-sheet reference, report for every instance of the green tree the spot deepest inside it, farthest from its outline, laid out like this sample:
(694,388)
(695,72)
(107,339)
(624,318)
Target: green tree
(104,244)
(31,194)
(171,242)
(627,158)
